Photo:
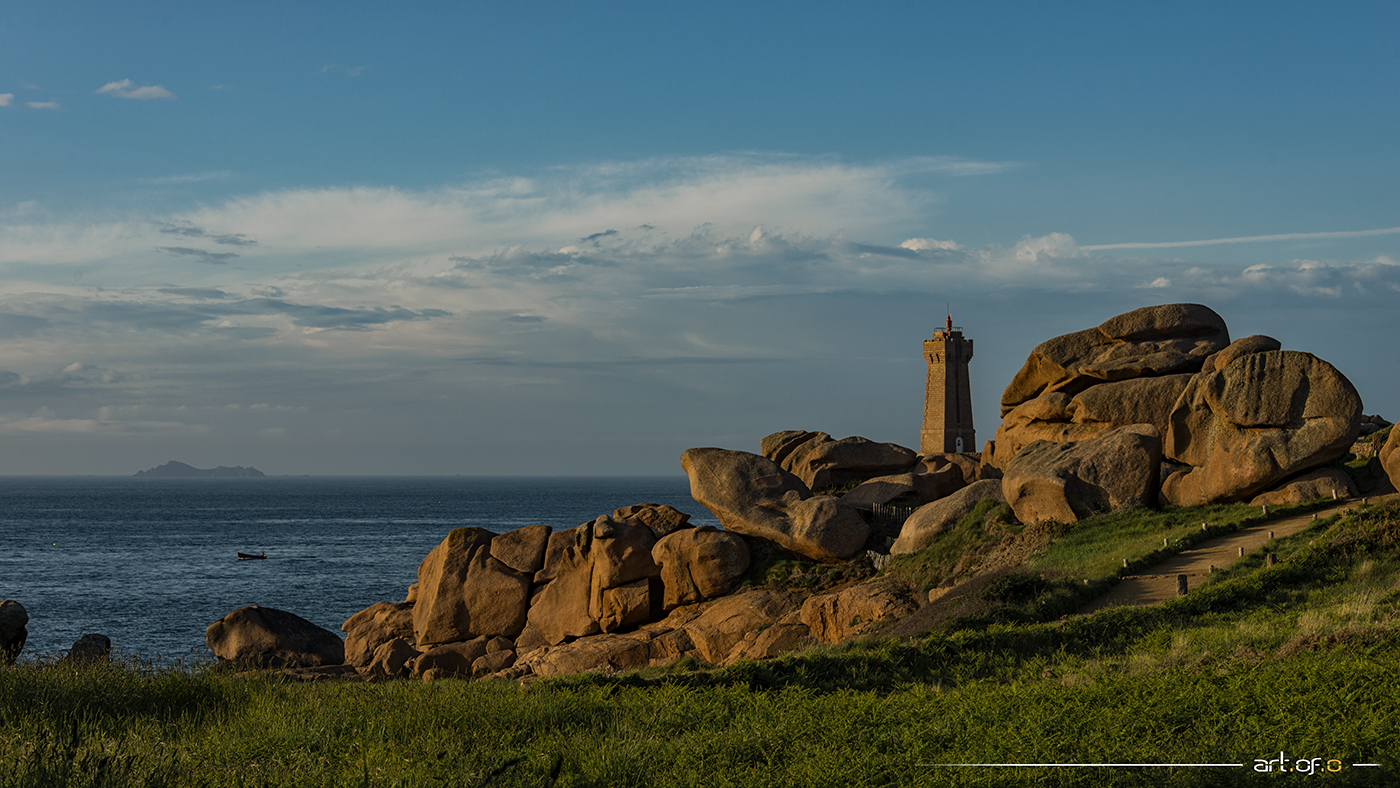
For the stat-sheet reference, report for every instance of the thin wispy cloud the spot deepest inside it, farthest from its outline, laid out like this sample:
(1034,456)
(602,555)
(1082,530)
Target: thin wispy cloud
(129,90)
(191,230)
(41,104)
(1243,239)
(193,177)
(6,99)
(217,258)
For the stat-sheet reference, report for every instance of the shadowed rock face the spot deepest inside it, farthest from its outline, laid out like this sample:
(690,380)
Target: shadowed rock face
(464,591)
(1390,457)
(13,618)
(269,637)
(1065,482)
(751,495)
(1319,483)
(700,563)
(1264,418)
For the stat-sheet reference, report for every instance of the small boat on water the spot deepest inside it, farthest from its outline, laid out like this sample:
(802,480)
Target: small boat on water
(250,556)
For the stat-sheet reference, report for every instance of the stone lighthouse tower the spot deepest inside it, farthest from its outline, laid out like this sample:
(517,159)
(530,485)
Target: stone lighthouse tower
(947,398)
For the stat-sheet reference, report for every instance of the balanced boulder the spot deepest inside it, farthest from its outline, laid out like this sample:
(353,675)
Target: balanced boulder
(1265,417)
(660,518)
(267,637)
(751,495)
(821,462)
(699,563)
(13,618)
(1066,482)
(1054,396)
(928,521)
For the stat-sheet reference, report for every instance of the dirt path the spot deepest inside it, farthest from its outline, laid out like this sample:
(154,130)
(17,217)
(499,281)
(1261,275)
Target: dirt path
(1160,582)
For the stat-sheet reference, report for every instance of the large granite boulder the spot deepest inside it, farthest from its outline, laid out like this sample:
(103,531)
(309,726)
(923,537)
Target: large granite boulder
(1144,355)
(391,660)
(821,462)
(834,617)
(374,626)
(699,563)
(13,619)
(1147,342)
(1390,456)
(598,577)
(1257,343)
(267,637)
(1066,482)
(908,487)
(1245,428)
(725,623)
(660,518)
(464,591)
(1320,483)
(930,520)
(522,550)
(752,496)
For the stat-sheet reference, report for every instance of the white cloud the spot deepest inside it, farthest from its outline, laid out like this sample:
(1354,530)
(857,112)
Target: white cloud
(926,244)
(127,89)
(1032,249)
(41,104)
(6,99)
(1243,239)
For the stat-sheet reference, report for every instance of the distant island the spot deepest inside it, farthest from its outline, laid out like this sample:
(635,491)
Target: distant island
(173,468)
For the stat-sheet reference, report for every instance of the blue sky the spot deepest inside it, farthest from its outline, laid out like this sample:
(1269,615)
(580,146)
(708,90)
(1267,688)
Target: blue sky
(568,238)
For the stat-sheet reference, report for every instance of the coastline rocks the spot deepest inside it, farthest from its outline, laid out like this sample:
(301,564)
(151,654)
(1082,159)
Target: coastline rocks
(13,634)
(374,626)
(726,621)
(465,592)
(1050,398)
(391,659)
(831,618)
(1247,427)
(267,637)
(821,462)
(663,520)
(699,563)
(1065,482)
(92,647)
(451,659)
(1321,483)
(930,520)
(752,496)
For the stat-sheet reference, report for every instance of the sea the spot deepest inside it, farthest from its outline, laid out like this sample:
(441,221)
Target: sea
(151,562)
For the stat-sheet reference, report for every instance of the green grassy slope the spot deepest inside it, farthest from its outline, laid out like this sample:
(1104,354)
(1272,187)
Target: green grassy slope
(1300,658)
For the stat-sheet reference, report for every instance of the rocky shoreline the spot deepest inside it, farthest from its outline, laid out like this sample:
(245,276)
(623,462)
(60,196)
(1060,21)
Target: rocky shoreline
(1156,407)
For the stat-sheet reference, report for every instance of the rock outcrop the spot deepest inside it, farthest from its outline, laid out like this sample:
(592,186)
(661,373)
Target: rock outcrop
(930,520)
(92,647)
(752,496)
(699,564)
(1321,483)
(1128,370)
(1265,417)
(369,629)
(1066,482)
(832,618)
(1390,457)
(13,634)
(821,462)
(267,637)
(464,591)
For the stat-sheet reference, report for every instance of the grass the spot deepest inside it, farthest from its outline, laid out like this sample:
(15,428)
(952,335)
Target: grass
(1300,657)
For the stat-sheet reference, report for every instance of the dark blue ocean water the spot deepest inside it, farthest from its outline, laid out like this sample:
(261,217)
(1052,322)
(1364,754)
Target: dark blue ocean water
(151,562)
